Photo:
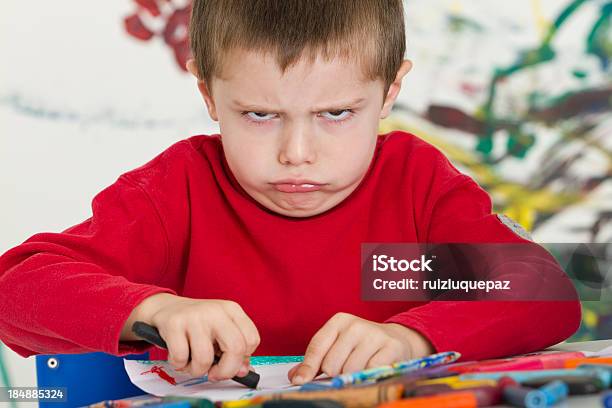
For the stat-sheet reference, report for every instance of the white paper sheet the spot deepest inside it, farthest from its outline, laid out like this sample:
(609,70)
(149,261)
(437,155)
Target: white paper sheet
(273,378)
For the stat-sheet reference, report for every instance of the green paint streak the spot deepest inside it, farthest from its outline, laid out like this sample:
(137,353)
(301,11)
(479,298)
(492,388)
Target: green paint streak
(459,23)
(562,18)
(580,74)
(599,40)
(530,58)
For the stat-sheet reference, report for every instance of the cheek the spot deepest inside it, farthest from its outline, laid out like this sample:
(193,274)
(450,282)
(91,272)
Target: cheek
(352,158)
(246,158)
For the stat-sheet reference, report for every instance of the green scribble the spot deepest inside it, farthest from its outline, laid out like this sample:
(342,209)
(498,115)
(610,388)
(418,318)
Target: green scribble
(599,40)
(599,43)
(580,74)
(459,23)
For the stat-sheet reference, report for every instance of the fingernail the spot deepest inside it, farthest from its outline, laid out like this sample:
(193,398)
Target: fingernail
(298,379)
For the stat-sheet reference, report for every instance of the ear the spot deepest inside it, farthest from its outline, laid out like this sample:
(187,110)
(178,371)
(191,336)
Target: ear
(204,91)
(394,88)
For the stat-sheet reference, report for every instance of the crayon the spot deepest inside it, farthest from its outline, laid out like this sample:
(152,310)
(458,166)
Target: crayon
(505,381)
(418,375)
(517,396)
(576,385)
(452,400)
(528,362)
(575,362)
(315,386)
(420,390)
(606,399)
(193,402)
(131,402)
(151,335)
(396,369)
(485,395)
(171,404)
(456,382)
(243,403)
(549,394)
(522,376)
(552,359)
(555,392)
(506,365)
(302,404)
(353,397)
(599,367)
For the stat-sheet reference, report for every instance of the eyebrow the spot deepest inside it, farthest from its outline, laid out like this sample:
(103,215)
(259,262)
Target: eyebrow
(328,107)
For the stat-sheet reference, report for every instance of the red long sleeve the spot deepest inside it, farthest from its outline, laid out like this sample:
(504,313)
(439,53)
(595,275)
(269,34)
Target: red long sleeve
(182,224)
(71,292)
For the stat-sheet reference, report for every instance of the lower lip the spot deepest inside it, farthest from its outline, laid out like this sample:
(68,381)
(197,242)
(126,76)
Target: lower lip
(297,188)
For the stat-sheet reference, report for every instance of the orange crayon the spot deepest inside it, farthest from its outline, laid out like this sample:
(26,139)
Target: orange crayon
(451,400)
(575,362)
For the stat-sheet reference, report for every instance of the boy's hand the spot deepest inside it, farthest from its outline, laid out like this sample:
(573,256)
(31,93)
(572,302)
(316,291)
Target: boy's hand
(348,343)
(194,328)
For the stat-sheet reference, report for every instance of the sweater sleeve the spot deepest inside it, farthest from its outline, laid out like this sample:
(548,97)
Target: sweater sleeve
(481,329)
(71,292)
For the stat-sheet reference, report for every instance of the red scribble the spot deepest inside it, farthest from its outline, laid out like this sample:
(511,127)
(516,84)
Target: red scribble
(162,374)
(135,27)
(149,5)
(470,89)
(174,26)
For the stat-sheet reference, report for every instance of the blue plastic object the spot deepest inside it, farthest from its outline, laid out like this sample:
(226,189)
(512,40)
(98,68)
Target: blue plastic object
(88,378)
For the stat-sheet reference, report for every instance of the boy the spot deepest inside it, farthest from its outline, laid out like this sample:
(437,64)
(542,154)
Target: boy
(249,241)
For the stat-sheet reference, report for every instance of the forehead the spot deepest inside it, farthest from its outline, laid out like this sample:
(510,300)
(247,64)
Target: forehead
(250,73)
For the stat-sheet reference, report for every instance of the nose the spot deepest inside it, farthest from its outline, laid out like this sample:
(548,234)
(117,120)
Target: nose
(297,146)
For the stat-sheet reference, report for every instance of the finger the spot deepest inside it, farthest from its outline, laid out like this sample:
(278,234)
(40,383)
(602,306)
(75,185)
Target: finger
(384,356)
(246,326)
(245,368)
(202,352)
(292,370)
(339,352)
(233,347)
(178,348)
(361,354)
(315,352)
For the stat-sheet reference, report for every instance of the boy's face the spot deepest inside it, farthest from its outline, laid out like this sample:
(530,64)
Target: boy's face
(300,142)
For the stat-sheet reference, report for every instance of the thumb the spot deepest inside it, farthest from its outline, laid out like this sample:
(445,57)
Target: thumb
(303,373)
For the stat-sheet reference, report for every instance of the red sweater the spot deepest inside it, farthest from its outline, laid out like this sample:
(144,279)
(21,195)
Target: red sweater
(182,224)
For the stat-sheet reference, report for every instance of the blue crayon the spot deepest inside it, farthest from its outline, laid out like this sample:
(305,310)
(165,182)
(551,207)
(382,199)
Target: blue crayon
(549,394)
(171,404)
(315,386)
(606,399)
(524,397)
(555,391)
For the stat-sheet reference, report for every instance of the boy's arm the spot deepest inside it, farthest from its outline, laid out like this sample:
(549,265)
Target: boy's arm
(487,329)
(72,292)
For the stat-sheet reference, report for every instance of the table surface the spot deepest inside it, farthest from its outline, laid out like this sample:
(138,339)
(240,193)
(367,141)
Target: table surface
(583,401)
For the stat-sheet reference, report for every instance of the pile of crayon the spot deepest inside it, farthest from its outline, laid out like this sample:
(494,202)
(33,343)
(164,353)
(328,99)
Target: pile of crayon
(533,381)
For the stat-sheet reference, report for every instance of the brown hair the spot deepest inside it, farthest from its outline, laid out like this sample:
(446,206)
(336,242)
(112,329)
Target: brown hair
(368,31)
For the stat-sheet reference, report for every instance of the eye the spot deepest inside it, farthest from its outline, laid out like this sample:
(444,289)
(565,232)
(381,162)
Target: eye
(259,116)
(338,115)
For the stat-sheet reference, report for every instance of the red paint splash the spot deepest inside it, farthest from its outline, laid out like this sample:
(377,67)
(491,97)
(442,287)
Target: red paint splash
(149,15)
(162,374)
